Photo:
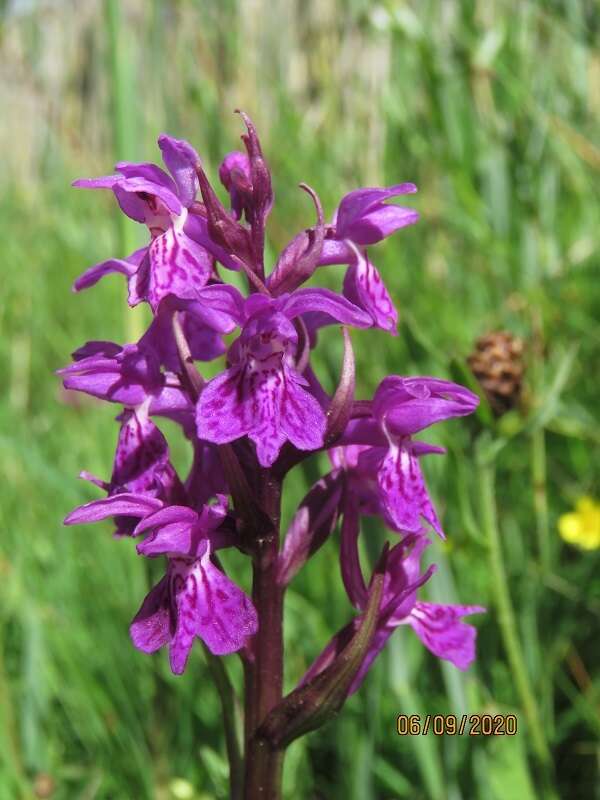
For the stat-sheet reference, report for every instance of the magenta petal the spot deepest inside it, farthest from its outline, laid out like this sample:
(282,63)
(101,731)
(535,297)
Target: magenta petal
(183,585)
(235,174)
(105,182)
(407,405)
(302,418)
(221,414)
(142,453)
(404,578)
(127,504)
(95,348)
(106,386)
(131,204)
(209,605)
(359,203)
(235,404)
(327,302)
(146,171)
(181,159)
(141,186)
(208,311)
(227,617)
(441,630)
(178,265)
(121,375)
(126,266)
(266,429)
(335,252)
(403,569)
(380,223)
(403,491)
(173,539)
(167,516)
(149,630)
(364,287)
(363,431)
(205,478)
(225,299)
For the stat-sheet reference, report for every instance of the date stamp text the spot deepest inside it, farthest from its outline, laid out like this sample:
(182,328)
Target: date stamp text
(451,725)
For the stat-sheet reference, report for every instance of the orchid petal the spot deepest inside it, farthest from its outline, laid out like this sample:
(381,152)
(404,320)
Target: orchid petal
(178,265)
(441,630)
(126,266)
(403,491)
(127,504)
(229,617)
(150,628)
(381,222)
(359,203)
(407,405)
(181,159)
(364,288)
(327,302)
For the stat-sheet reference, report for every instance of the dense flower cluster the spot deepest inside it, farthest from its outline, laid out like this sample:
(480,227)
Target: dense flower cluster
(266,408)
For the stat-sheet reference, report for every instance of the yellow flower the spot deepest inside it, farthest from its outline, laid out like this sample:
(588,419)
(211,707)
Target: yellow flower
(582,526)
(181,789)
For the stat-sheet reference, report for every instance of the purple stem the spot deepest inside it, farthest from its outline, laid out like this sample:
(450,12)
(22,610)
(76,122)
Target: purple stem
(264,675)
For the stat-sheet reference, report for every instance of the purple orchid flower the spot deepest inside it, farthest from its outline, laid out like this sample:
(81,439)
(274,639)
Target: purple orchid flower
(106,370)
(143,478)
(129,375)
(174,262)
(363,465)
(402,407)
(405,406)
(263,395)
(438,626)
(195,598)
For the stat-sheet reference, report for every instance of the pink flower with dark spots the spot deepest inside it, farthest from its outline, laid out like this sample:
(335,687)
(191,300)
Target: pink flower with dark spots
(438,626)
(174,262)
(195,598)
(263,395)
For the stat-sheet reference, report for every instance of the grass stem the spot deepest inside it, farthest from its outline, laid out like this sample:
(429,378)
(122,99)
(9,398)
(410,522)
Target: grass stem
(506,615)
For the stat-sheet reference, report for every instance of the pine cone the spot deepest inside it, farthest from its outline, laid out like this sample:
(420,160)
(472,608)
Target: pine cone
(497,363)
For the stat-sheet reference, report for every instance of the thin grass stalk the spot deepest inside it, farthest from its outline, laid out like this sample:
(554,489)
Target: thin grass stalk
(506,615)
(228,707)
(11,737)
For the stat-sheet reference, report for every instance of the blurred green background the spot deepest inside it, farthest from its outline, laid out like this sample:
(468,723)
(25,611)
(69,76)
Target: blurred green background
(492,109)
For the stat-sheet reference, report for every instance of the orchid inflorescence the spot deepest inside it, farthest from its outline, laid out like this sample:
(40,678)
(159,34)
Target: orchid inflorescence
(259,418)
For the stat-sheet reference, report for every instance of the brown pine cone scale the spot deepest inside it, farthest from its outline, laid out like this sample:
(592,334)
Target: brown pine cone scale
(497,363)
